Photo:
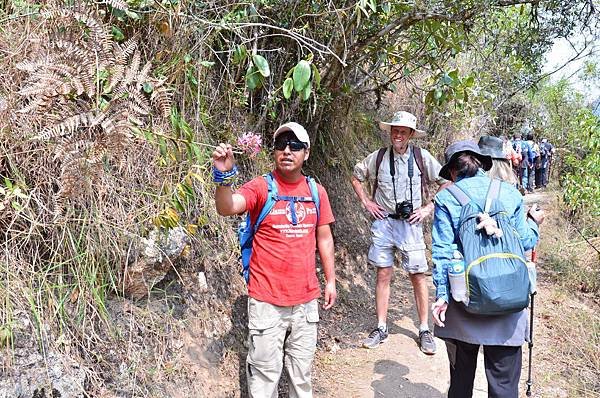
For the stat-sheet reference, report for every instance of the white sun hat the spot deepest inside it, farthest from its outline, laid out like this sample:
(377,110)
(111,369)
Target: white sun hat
(295,128)
(404,119)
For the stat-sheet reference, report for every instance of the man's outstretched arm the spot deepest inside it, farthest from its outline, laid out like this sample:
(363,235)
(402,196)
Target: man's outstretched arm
(226,202)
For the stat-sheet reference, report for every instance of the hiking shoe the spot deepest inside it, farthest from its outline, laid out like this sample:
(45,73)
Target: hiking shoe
(376,337)
(426,342)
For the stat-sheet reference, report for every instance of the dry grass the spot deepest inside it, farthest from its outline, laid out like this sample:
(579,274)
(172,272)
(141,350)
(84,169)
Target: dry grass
(568,330)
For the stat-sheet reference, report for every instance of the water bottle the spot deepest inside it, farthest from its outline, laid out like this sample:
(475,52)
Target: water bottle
(532,277)
(456,274)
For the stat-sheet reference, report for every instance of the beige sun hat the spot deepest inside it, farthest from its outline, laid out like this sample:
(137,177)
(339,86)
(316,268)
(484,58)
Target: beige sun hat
(405,119)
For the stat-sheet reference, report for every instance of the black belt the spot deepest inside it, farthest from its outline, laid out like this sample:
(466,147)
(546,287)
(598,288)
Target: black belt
(395,216)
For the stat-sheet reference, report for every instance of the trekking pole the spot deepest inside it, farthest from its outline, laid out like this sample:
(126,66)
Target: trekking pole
(529,381)
(530,345)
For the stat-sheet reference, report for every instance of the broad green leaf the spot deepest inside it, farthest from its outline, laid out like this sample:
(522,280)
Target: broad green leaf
(133,15)
(253,78)
(301,75)
(316,75)
(148,87)
(117,34)
(288,86)
(261,64)
(305,94)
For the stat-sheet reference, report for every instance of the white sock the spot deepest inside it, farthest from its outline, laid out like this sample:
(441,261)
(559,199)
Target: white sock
(382,326)
(424,327)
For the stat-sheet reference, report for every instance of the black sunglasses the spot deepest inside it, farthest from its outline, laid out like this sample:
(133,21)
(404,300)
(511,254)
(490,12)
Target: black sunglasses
(295,146)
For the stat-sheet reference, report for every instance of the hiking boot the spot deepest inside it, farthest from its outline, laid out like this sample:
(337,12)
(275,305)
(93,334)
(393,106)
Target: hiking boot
(376,337)
(426,342)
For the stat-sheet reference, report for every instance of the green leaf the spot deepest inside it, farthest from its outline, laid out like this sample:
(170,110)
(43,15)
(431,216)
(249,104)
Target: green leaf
(207,64)
(305,94)
(117,34)
(301,75)
(148,88)
(288,86)
(133,15)
(261,64)
(239,54)
(253,78)
(316,75)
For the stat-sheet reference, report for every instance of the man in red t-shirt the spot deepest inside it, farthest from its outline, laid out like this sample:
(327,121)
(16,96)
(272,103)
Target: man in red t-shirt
(283,287)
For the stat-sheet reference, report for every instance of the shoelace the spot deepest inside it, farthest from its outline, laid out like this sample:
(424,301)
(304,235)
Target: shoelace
(375,332)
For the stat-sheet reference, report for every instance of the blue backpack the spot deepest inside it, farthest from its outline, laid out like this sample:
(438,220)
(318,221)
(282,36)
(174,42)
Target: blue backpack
(247,230)
(495,268)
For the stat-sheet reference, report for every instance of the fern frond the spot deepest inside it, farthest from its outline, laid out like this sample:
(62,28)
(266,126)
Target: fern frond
(128,48)
(162,98)
(142,76)
(139,103)
(118,4)
(67,126)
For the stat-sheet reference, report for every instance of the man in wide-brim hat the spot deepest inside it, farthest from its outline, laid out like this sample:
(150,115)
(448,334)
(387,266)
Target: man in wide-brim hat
(399,176)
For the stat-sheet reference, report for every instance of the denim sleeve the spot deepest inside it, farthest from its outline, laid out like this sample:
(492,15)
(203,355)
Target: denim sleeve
(527,229)
(442,236)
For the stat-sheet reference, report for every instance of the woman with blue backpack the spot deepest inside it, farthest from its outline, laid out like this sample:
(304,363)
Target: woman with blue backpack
(480,228)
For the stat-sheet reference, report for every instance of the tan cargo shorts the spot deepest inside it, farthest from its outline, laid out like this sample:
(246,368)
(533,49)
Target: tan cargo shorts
(389,235)
(276,333)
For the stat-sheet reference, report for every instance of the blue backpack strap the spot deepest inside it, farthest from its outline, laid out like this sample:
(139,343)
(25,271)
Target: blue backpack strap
(459,194)
(493,193)
(314,191)
(270,202)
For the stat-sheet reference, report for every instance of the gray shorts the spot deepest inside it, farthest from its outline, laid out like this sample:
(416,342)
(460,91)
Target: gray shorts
(389,235)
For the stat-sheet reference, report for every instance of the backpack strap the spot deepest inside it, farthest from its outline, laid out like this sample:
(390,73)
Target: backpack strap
(459,194)
(378,161)
(424,177)
(493,193)
(269,203)
(314,192)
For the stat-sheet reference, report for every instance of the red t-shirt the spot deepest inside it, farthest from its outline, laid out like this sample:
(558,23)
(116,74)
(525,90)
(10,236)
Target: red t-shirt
(282,266)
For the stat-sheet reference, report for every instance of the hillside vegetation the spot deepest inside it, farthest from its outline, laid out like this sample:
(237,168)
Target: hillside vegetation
(117,276)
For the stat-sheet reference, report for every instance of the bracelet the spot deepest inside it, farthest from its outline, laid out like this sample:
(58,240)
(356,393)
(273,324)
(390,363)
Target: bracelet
(225,178)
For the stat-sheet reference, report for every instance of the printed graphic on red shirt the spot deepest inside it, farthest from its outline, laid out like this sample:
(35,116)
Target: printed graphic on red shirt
(282,266)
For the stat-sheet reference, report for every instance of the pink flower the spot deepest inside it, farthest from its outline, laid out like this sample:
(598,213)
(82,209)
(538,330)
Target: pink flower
(250,143)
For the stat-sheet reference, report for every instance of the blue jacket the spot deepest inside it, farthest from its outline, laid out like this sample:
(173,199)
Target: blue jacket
(447,214)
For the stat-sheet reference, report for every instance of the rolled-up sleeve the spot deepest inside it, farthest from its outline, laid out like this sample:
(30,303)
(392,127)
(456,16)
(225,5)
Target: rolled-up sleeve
(442,235)
(365,169)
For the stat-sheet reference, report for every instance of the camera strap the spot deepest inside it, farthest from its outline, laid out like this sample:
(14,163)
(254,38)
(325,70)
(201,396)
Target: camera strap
(411,172)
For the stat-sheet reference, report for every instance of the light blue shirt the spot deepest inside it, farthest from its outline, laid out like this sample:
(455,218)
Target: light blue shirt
(446,217)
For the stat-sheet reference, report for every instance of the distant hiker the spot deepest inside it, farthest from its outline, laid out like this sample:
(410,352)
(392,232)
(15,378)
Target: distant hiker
(501,165)
(534,165)
(283,287)
(547,152)
(502,336)
(399,176)
(524,149)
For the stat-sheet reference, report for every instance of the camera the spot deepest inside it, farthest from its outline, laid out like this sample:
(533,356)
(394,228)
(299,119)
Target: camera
(404,209)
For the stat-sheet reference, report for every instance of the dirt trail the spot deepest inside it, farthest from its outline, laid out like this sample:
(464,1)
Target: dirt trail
(398,368)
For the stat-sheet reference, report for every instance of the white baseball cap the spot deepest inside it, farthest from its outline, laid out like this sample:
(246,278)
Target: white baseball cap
(295,128)
(404,119)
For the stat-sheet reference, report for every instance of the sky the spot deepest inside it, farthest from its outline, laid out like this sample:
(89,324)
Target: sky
(560,53)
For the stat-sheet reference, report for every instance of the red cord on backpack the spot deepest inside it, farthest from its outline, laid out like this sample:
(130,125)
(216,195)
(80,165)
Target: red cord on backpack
(533,255)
